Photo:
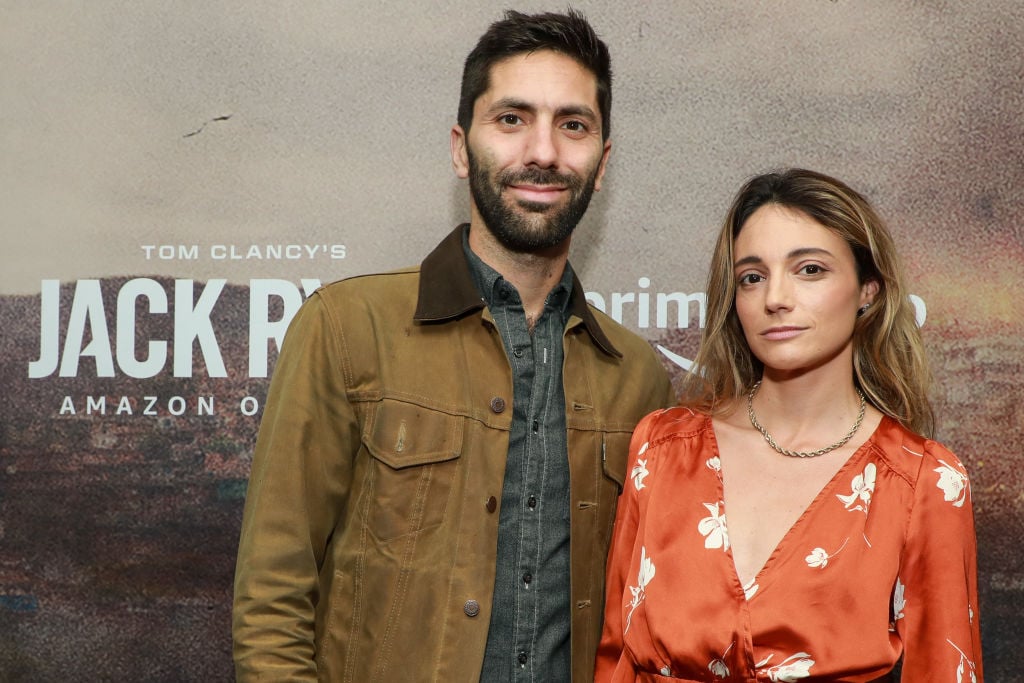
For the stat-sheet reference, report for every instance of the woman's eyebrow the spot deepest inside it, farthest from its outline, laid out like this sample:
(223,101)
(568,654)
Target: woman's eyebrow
(796,253)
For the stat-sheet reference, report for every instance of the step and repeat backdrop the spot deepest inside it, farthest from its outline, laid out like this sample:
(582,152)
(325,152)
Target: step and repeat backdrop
(177,177)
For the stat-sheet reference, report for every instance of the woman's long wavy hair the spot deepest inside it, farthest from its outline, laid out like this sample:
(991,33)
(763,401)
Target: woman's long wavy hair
(889,362)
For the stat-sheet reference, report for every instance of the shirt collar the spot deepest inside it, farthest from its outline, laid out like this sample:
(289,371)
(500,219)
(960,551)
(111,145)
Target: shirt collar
(448,290)
(496,290)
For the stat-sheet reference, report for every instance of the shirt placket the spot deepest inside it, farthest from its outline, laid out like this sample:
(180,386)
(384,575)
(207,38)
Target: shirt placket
(540,492)
(535,490)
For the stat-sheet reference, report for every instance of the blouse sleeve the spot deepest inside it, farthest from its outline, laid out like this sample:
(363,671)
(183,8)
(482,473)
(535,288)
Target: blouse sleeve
(935,601)
(620,555)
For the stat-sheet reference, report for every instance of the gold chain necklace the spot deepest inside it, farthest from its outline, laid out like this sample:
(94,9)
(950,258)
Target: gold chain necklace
(801,454)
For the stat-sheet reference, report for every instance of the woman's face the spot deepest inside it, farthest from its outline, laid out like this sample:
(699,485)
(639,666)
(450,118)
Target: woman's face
(797,291)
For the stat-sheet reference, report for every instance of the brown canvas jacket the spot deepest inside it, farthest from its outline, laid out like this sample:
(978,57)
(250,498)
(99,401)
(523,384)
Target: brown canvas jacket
(371,518)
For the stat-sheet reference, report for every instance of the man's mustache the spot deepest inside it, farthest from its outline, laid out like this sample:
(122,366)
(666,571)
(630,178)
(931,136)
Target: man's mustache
(539,176)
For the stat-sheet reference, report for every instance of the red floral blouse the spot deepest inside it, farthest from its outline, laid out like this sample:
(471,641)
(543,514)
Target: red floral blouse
(882,564)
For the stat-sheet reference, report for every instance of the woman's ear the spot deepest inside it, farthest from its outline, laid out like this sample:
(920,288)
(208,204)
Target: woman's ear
(868,292)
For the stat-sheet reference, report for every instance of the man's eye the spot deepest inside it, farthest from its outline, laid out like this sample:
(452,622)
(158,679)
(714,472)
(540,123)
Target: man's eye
(510,119)
(576,126)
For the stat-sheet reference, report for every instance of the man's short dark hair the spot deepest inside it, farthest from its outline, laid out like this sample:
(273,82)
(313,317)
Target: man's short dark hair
(569,34)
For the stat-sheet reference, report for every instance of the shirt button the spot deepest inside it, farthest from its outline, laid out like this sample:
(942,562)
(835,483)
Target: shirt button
(517,352)
(471,608)
(522,658)
(527,577)
(492,504)
(532,502)
(498,404)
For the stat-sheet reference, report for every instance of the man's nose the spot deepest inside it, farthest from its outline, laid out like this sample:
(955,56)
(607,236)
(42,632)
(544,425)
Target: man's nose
(541,148)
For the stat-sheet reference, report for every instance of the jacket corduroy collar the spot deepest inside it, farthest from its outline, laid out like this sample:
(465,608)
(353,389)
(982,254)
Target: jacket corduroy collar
(447,291)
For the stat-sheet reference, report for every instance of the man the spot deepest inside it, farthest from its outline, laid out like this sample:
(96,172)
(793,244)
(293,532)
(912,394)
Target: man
(437,469)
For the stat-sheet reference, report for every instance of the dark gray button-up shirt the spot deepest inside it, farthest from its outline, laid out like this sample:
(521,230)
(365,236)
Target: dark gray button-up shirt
(528,638)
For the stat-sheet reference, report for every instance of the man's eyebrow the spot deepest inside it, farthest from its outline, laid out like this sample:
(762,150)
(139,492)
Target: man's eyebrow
(796,253)
(511,103)
(577,110)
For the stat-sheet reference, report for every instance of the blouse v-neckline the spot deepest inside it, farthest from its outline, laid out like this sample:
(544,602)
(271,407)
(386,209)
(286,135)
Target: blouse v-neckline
(782,547)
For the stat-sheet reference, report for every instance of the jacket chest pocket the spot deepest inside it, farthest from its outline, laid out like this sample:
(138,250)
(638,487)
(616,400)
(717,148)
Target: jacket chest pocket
(414,458)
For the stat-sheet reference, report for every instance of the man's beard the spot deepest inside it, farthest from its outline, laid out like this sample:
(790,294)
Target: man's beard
(527,226)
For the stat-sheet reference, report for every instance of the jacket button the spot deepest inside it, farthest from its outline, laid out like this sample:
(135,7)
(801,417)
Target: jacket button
(471,608)
(498,404)
(492,504)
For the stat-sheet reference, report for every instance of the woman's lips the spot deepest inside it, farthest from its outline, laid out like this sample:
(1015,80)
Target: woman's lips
(781,333)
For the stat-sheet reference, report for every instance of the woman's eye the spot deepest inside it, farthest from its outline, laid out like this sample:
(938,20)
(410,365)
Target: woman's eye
(812,269)
(750,279)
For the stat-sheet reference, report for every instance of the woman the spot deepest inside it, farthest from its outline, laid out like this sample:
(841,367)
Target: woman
(850,536)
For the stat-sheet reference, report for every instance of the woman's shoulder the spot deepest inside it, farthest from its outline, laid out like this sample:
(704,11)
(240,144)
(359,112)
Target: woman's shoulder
(912,454)
(669,423)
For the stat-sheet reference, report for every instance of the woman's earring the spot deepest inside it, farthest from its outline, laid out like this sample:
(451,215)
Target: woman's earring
(862,310)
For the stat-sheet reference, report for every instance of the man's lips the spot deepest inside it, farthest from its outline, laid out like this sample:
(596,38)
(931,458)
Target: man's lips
(781,332)
(537,193)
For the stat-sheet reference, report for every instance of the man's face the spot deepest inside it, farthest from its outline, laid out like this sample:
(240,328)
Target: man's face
(534,154)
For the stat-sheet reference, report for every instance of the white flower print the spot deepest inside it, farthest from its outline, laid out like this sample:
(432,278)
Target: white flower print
(717,667)
(953,483)
(920,455)
(639,591)
(715,465)
(862,486)
(791,669)
(819,557)
(898,600)
(713,528)
(639,472)
(750,588)
(964,662)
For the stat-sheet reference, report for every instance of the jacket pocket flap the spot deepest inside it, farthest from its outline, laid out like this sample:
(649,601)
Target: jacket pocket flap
(614,455)
(405,434)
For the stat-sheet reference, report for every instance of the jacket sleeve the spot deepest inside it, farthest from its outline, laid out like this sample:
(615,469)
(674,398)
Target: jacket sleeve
(612,662)
(663,393)
(299,483)
(671,399)
(935,602)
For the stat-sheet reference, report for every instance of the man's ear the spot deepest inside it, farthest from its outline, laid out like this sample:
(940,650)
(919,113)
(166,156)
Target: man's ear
(460,153)
(603,165)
